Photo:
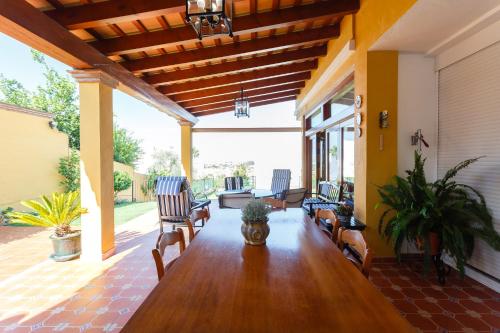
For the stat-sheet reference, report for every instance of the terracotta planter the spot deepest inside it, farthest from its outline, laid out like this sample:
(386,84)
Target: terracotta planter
(67,247)
(435,243)
(255,233)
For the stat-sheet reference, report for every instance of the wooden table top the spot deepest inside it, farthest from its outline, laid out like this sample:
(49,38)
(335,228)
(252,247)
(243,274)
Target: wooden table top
(298,282)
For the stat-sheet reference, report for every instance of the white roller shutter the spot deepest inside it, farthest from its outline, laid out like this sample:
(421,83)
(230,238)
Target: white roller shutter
(469,126)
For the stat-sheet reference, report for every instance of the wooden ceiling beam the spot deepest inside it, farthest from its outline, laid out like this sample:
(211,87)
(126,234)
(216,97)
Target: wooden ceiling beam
(247,86)
(239,78)
(251,93)
(30,26)
(261,45)
(237,66)
(242,25)
(256,104)
(230,103)
(113,11)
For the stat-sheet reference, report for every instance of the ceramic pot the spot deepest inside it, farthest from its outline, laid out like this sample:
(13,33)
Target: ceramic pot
(435,243)
(255,233)
(67,247)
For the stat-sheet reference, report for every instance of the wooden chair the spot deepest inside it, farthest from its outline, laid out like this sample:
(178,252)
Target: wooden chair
(328,214)
(166,239)
(197,215)
(357,243)
(275,203)
(295,197)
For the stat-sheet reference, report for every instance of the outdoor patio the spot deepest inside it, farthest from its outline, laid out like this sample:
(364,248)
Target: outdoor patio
(37,294)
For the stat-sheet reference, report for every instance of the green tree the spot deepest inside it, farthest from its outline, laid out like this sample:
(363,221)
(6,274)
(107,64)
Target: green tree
(57,96)
(127,149)
(165,163)
(69,168)
(122,181)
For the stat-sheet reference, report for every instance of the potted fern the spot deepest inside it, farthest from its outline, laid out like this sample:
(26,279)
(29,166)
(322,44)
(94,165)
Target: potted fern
(254,227)
(443,216)
(58,212)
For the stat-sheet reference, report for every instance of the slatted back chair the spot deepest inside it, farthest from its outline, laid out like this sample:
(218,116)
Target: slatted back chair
(166,239)
(275,203)
(362,257)
(233,183)
(328,214)
(295,197)
(327,197)
(175,200)
(280,182)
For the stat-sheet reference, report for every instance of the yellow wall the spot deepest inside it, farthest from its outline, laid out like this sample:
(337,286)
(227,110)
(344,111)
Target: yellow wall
(134,192)
(30,155)
(376,80)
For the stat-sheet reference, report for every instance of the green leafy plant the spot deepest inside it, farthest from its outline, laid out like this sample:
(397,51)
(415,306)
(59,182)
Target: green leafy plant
(69,168)
(456,212)
(56,211)
(255,211)
(122,181)
(345,210)
(5,215)
(126,148)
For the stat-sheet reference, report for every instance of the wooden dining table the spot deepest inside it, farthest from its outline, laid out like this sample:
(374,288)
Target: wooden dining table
(298,282)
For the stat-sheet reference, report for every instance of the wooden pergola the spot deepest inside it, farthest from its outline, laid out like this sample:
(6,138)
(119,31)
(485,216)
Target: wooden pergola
(274,48)
(145,48)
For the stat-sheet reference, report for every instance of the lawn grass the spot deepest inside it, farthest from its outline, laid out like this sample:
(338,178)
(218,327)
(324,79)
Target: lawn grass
(124,212)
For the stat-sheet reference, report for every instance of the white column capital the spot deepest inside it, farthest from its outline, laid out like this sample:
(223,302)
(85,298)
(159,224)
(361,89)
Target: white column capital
(93,75)
(185,123)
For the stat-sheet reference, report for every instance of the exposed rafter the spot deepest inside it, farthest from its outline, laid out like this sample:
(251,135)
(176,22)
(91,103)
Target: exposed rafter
(237,66)
(241,25)
(233,50)
(230,97)
(27,24)
(247,86)
(239,78)
(113,11)
(230,103)
(256,104)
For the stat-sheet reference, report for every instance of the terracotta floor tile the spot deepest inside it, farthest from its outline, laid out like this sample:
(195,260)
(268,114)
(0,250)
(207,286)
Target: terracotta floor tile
(477,293)
(391,293)
(432,292)
(421,322)
(473,323)
(492,320)
(405,306)
(475,306)
(428,306)
(450,306)
(455,292)
(413,293)
(446,322)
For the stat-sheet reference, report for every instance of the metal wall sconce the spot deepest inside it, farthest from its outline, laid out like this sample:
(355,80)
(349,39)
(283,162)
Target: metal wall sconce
(383,119)
(417,139)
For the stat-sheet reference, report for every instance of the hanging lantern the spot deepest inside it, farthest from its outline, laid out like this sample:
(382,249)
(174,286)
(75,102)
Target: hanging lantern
(210,17)
(241,106)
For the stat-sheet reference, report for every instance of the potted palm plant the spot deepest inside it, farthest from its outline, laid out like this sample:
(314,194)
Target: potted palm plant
(254,227)
(443,216)
(57,211)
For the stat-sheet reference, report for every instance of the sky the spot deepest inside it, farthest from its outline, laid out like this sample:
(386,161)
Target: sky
(158,131)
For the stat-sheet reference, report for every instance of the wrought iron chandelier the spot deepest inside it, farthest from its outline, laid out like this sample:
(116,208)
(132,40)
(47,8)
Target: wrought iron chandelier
(210,17)
(241,106)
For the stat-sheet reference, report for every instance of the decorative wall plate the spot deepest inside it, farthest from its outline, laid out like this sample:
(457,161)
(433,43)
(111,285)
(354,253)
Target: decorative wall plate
(358,118)
(358,101)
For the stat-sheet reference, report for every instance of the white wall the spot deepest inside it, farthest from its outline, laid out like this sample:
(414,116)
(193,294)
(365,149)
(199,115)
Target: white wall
(417,109)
